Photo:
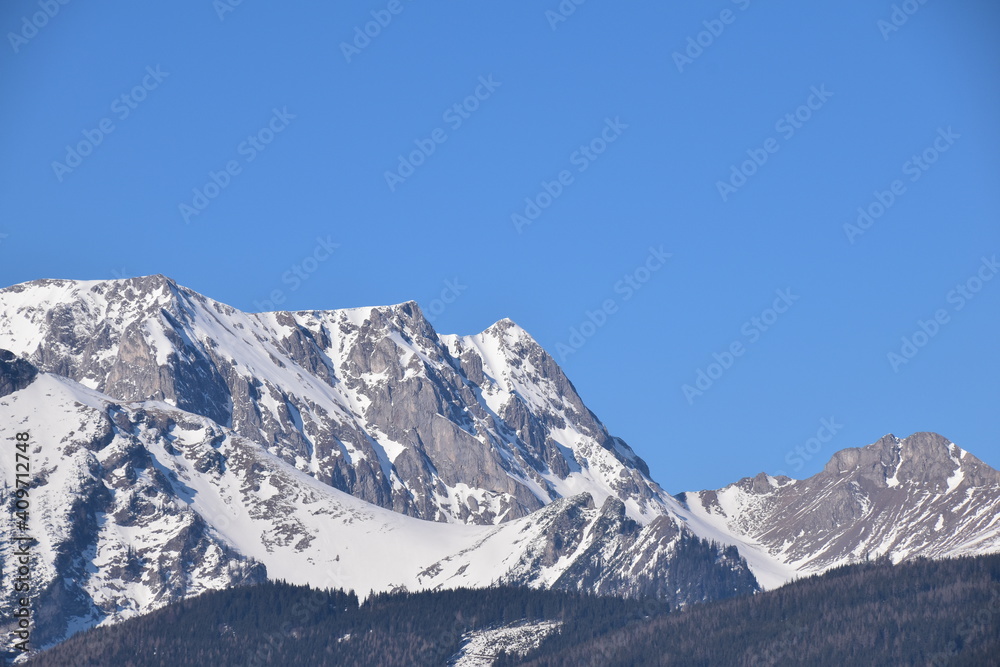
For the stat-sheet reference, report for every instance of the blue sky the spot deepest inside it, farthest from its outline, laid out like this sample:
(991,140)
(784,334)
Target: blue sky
(254,151)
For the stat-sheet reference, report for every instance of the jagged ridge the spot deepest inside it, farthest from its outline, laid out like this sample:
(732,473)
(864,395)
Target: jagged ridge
(372,401)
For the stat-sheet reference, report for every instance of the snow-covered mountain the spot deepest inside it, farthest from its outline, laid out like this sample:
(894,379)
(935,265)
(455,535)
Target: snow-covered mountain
(136,505)
(181,445)
(921,496)
(372,401)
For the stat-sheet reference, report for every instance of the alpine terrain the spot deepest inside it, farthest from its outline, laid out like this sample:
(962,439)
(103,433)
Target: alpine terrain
(920,496)
(179,445)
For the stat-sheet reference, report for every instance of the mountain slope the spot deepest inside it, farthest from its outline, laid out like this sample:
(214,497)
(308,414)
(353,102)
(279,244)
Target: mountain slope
(919,613)
(916,613)
(136,505)
(922,496)
(276,623)
(184,446)
(372,401)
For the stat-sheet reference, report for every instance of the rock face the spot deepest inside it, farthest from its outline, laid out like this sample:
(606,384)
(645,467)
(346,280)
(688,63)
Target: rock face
(114,535)
(181,445)
(15,373)
(921,496)
(614,555)
(136,505)
(372,401)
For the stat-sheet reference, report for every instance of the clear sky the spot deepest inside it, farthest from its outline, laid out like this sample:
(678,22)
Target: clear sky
(520,160)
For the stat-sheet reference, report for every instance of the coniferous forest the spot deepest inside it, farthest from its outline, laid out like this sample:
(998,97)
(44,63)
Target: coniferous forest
(919,613)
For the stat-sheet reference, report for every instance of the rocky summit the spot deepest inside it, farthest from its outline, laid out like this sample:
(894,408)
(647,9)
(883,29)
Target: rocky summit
(372,401)
(920,496)
(180,445)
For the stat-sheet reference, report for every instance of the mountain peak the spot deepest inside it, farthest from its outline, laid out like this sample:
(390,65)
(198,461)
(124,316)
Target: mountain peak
(928,444)
(923,460)
(372,401)
(511,333)
(409,307)
(918,496)
(152,279)
(502,326)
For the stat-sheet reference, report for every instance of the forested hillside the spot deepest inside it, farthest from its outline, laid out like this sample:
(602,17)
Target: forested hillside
(919,613)
(276,623)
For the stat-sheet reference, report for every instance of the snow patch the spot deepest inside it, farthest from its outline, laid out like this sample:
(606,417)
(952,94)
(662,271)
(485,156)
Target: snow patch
(481,648)
(956,479)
